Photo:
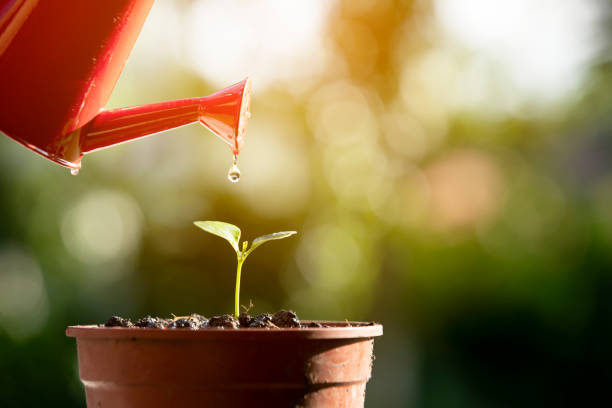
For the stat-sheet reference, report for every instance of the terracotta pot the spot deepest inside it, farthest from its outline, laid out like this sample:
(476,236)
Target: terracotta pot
(309,367)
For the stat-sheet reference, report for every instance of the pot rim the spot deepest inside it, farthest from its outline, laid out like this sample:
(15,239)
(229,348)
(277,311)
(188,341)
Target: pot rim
(338,330)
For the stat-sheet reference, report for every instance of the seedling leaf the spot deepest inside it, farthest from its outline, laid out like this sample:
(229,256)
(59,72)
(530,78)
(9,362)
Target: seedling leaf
(227,231)
(265,238)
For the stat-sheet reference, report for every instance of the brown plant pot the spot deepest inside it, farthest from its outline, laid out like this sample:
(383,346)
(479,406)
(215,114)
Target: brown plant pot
(307,367)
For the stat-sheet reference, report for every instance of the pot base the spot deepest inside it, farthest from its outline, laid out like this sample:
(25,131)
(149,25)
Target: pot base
(265,395)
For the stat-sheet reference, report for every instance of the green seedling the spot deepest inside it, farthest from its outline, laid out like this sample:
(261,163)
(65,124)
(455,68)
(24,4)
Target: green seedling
(231,234)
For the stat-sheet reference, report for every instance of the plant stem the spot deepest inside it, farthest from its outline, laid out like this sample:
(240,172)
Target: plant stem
(237,295)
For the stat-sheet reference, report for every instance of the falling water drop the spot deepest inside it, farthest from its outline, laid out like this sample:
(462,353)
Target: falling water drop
(74,172)
(233,174)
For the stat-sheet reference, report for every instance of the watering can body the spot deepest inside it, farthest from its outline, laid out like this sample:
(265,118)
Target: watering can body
(59,62)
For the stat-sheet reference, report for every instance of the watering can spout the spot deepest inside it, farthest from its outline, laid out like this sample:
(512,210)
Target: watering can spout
(225,113)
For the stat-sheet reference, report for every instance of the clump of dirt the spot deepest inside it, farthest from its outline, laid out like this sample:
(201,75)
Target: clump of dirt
(193,322)
(263,321)
(152,322)
(184,323)
(117,321)
(245,319)
(286,318)
(226,321)
(203,322)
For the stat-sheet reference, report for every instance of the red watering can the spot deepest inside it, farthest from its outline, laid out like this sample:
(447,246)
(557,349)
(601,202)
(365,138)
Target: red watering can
(59,62)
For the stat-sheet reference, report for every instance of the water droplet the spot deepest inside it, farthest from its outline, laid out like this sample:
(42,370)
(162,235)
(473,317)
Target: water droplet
(74,172)
(234,174)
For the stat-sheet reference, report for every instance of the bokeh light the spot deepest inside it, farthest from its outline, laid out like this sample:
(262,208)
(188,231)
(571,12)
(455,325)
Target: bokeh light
(270,40)
(24,307)
(466,188)
(112,234)
(540,49)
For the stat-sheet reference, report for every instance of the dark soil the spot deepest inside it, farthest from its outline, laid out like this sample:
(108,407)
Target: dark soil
(152,322)
(280,319)
(245,319)
(116,321)
(225,321)
(286,318)
(184,323)
(263,321)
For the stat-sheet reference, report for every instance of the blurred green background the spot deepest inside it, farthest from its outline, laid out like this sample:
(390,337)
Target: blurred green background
(448,165)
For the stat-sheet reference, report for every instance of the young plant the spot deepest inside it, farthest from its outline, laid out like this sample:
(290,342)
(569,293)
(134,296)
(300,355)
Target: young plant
(231,233)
